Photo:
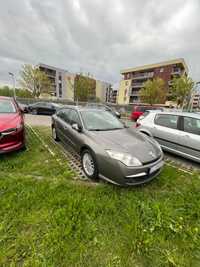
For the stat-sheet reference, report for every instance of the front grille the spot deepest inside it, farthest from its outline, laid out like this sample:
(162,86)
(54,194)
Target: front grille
(151,161)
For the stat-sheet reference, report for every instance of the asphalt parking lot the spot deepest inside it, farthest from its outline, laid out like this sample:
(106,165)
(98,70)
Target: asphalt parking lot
(38,120)
(42,120)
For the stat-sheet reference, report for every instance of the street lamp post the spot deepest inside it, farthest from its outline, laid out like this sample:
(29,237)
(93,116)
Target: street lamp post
(13,78)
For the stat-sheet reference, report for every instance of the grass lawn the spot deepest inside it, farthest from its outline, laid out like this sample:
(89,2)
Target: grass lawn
(49,219)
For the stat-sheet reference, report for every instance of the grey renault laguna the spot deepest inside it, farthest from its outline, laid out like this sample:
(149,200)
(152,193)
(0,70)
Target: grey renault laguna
(108,148)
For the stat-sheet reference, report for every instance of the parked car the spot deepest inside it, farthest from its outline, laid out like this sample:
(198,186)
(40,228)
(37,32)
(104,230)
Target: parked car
(177,132)
(105,107)
(44,108)
(108,148)
(139,110)
(12,136)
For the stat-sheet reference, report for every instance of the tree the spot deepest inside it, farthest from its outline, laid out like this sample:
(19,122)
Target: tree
(35,80)
(84,88)
(8,91)
(181,89)
(153,92)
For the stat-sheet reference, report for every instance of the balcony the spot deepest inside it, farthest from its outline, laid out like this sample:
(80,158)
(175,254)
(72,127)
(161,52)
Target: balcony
(145,75)
(134,100)
(134,93)
(176,71)
(137,85)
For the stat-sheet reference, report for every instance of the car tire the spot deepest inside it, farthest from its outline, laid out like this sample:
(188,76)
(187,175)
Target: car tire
(54,134)
(34,112)
(89,164)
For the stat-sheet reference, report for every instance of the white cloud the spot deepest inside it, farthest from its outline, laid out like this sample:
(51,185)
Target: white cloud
(98,36)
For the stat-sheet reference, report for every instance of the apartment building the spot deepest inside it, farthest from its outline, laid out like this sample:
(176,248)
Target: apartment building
(57,78)
(103,91)
(134,78)
(64,84)
(196,97)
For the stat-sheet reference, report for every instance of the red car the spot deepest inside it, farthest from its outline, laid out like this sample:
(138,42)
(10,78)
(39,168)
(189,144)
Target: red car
(12,135)
(139,110)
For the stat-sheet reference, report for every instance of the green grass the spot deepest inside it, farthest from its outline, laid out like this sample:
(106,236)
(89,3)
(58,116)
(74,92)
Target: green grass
(49,219)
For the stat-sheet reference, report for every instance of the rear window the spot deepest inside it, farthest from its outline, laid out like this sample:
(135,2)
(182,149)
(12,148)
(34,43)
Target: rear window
(191,125)
(166,120)
(7,106)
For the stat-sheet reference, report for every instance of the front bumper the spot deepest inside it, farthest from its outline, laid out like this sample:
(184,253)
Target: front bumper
(12,142)
(117,173)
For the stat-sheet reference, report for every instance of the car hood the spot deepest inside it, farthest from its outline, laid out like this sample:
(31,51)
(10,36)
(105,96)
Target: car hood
(130,141)
(8,121)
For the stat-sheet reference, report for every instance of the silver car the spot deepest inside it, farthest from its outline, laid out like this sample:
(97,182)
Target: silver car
(177,132)
(109,149)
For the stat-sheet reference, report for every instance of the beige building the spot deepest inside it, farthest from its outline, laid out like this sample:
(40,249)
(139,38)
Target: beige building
(134,78)
(63,84)
(103,91)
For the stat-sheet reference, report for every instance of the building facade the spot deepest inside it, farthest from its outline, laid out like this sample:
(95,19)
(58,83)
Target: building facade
(134,78)
(65,84)
(103,91)
(196,97)
(57,78)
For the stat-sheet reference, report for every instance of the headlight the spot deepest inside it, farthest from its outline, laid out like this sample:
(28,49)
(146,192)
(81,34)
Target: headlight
(125,158)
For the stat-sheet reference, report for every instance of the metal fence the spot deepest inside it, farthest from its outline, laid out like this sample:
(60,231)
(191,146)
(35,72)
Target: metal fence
(124,109)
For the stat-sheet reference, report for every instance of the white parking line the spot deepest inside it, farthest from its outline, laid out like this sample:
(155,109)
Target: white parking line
(42,142)
(180,169)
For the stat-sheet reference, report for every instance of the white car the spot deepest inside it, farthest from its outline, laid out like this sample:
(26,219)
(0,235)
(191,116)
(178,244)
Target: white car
(176,132)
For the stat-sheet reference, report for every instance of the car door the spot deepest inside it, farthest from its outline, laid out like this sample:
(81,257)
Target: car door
(47,108)
(190,137)
(62,124)
(74,135)
(41,108)
(165,130)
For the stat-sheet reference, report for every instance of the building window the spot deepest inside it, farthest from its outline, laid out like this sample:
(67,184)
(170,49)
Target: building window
(161,69)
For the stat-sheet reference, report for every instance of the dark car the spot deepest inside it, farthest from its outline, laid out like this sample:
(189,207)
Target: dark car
(43,108)
(140,109)
(12,134)
(109,149)
(104,107)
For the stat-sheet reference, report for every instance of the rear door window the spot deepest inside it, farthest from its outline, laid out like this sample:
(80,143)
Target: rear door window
(191,125)
(167,120)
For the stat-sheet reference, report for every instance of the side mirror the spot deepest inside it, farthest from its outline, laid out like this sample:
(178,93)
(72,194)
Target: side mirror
(77,127)
(117,114)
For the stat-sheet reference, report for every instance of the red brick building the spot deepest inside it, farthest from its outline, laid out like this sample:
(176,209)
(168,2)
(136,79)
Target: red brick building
(134,78)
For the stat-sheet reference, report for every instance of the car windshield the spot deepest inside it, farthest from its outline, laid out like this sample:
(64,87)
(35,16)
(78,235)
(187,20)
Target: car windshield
(100,120)
(6,106)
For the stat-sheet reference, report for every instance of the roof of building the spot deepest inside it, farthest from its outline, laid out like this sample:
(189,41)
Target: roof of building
(161,64)
(50,67)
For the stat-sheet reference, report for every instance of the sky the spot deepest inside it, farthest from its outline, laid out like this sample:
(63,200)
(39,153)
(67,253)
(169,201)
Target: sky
(99,37)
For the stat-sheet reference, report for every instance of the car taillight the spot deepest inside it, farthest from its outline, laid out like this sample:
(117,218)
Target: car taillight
(137,124)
